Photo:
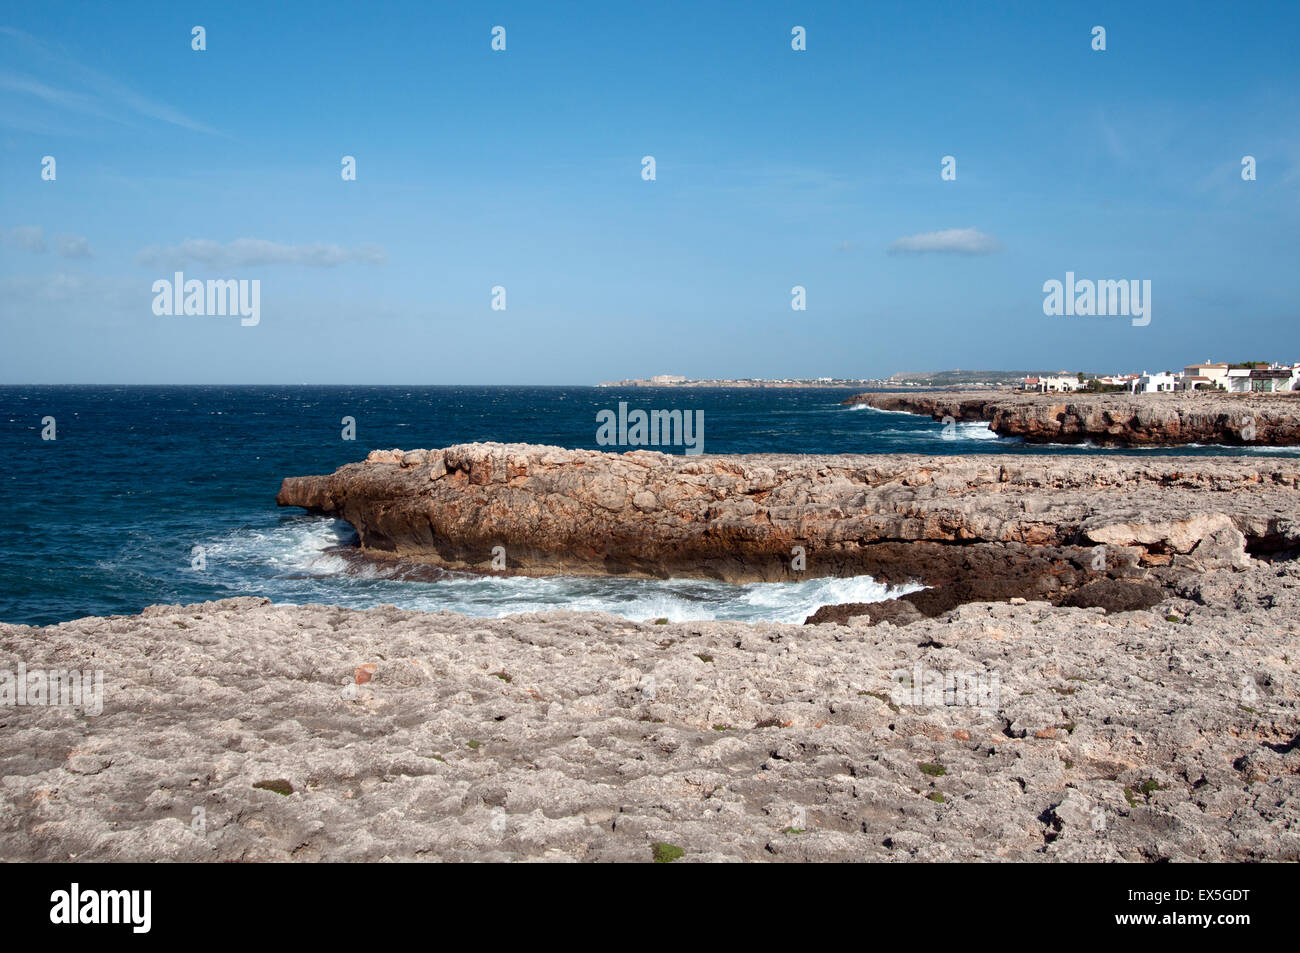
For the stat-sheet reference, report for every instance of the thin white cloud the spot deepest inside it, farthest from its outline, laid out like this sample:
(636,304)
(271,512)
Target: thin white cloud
(87,292)
(30,237)
(99,94)
(50,95)
(253,252)
(73,246)
(951,241)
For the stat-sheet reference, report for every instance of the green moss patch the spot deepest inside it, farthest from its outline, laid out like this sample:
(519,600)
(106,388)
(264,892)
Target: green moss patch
(665,853)
(278,785)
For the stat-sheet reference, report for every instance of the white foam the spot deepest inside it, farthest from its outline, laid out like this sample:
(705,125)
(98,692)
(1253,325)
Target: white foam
(975,430)
(288,563)
(1279,451)
(881,410)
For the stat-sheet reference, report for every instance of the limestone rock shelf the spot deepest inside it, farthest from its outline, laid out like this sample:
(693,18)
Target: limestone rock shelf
(740,518)
(1141,420)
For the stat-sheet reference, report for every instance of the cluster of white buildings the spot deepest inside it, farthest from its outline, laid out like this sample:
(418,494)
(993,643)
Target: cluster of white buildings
(1210,375)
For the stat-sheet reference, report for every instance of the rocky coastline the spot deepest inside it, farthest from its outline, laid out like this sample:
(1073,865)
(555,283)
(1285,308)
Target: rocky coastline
(1112,420)
(1103,668)
(970,528)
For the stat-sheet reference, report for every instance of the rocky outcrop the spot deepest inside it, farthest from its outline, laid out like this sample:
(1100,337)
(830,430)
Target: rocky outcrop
(747,518)
(243,731)
(1142,420)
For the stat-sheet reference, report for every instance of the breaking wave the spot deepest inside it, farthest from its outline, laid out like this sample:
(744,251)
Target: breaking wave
(299,561)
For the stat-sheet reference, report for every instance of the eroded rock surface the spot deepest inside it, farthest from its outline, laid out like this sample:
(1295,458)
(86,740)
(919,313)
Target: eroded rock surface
(1141,420)
(740,518)
(318,733)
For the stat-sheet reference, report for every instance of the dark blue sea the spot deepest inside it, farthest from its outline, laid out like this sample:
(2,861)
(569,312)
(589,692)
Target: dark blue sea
(105,518)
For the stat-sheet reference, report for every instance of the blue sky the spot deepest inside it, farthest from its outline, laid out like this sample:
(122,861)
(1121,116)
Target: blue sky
(522,168)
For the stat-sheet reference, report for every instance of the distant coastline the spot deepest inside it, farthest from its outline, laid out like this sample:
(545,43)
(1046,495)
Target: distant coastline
(749,382)
(969,380)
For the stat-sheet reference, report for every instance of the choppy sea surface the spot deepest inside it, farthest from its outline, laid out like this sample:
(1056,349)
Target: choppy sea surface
(105,519)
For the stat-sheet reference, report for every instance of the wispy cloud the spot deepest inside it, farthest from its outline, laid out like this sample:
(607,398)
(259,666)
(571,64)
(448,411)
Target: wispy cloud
(52,96)
(951,241)
(73,246)
(83,90)
(30,237)
(253,252)
(69,300)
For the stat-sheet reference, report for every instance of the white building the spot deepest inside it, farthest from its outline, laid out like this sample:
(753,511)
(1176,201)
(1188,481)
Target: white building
(1062,382)
(1238,380)
(1155,383)
(1118,380)
(1273,379)
(1207,376)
